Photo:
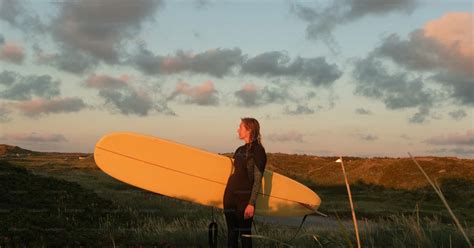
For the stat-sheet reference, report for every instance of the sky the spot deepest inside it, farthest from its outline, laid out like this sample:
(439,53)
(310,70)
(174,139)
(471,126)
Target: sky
(361,78)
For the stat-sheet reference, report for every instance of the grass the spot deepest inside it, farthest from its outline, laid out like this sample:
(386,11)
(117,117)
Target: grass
(443,199)
(58,203)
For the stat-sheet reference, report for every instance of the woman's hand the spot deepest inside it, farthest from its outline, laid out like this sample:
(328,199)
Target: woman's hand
(249,211)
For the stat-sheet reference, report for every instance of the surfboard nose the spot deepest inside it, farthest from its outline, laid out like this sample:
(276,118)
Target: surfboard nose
(310,207)
(314,204)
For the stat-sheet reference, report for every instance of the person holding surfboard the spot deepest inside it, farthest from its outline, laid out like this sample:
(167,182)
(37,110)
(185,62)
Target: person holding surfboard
(243,185)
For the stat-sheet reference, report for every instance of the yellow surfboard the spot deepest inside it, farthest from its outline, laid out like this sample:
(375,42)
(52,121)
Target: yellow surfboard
(188,173)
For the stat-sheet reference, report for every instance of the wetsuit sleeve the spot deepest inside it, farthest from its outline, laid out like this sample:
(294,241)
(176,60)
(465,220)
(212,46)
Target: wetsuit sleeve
(260,158)
(258,162)
(233,156)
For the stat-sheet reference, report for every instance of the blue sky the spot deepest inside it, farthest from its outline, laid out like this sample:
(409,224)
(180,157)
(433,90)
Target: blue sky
(352,77)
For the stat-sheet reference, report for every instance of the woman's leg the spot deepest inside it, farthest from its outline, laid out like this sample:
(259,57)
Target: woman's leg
(232,228)
(231,219)
(246,228)
(244,225)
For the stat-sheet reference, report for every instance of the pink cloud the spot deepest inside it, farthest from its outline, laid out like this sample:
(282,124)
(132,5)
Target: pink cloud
(180,62)
(453,139)
(249,88)
(454,32)
(248,95)
(203,94)
(35,107)
(104,81)
(172,64)
(12,52)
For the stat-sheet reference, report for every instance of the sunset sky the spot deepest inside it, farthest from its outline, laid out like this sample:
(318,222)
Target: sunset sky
(350,77)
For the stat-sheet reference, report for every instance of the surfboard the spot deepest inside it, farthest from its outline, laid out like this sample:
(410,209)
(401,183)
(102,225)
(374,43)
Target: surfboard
(188,173)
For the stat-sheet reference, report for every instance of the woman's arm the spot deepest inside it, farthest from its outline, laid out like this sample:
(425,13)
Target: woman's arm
(257,183)
(257,163)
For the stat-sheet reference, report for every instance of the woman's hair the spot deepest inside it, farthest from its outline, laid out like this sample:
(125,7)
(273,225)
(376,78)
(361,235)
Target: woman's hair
(254,127)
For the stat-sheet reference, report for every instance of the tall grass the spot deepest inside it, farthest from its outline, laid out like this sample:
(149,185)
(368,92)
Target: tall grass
(181,224)
(392,231)
(443,199)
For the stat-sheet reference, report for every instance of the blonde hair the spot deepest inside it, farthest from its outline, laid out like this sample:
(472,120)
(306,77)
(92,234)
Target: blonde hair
(254,127)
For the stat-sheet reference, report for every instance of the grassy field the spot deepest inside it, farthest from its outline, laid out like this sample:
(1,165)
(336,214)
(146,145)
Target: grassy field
(61,200)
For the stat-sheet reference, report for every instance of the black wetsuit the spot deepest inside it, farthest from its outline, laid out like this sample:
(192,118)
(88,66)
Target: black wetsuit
(241,190)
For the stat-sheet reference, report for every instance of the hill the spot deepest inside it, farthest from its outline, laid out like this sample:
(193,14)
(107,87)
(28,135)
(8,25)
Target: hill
(43,211)
(8,150)
(396,173)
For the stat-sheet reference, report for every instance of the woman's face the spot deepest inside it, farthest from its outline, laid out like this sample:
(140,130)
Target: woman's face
(243,131)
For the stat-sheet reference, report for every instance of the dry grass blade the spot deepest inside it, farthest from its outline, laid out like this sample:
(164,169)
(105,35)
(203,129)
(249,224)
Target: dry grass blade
(354,219)
(441,196)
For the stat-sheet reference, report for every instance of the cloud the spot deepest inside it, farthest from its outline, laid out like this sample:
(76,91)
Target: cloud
(439,53)
(458,151)
(458,114)
(404,136)
(99,27)
(453,32)
(104,82)
(271,94)
(289,136)
(251,96)
(146,61)
(4,114)
(11,52)
(221,62)
(122,97)
(37,107)
(17,15)
(248,96)
(69,60)
(362,111)
(366,136)
(216,62)
(460,87)
(204,94)
(202,3)
(128,101)
(442,47)
(323,19)
(25,87)
(34,137)
(7,78)
(397,90)
(466,139)
(421,116)
(299,110)
(131,101)
(276,64)
(10,10)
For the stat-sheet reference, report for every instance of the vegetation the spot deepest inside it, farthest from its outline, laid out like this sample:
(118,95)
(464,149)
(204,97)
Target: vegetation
(65,200)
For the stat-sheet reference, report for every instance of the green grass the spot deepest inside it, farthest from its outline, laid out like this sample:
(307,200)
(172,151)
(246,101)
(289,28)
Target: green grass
(61,205)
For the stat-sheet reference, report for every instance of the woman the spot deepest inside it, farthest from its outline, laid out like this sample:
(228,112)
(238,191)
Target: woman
(244,184)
